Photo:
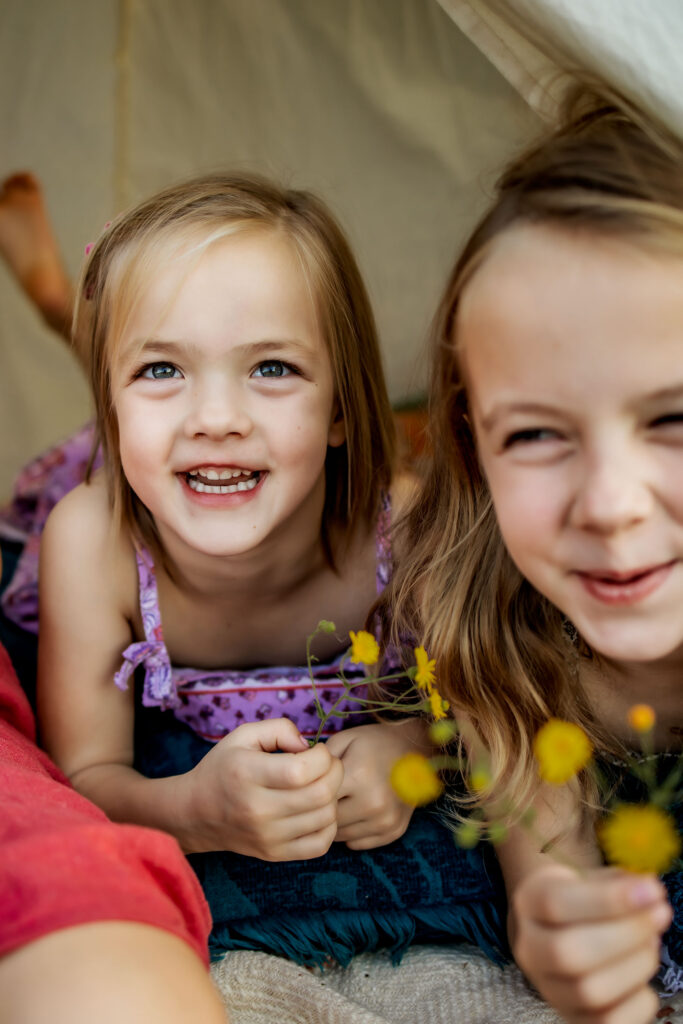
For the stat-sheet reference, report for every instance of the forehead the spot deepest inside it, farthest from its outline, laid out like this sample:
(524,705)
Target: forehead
(550,304)
(251,284)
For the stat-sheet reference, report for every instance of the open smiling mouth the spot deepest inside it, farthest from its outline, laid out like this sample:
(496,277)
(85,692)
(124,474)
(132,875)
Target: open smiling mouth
(222,481)
(625,588)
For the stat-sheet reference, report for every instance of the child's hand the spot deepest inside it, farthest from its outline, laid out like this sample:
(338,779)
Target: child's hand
(590,942)
(275,806)
(369,813)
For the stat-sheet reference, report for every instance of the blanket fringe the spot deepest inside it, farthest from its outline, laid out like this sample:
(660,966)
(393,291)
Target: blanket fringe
(312,939)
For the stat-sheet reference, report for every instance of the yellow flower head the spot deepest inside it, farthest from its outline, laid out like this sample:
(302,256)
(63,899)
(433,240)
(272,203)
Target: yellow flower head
(479,780)
(441,733)
(364,648)
(562,749)
(425,676)
(468,834)
(641,718)
(640,837)
(437,705)
(414,780)
(497,832)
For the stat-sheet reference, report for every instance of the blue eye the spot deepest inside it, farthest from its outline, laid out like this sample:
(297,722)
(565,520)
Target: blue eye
(533,434)
(272,368)
(160,371)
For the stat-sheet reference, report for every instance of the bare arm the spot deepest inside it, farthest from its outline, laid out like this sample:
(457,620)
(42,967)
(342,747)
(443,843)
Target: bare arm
(107,971)
(239,797)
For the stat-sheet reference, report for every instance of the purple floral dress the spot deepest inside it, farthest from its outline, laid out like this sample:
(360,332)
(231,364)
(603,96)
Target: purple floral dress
(37,489)
(213,703)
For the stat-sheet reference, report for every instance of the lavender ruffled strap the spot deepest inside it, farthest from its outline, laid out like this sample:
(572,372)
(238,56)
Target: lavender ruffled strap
(158,690)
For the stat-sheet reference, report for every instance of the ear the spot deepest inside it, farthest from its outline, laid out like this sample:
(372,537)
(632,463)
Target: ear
(337,432)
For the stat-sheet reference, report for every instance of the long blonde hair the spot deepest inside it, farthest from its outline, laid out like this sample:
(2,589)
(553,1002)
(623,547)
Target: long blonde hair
(178,224)
(505,659)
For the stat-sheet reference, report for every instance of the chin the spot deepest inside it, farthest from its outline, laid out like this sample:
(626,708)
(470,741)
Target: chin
(631,644)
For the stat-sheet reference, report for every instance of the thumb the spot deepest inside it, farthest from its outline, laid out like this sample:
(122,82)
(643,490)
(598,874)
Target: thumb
(271,735)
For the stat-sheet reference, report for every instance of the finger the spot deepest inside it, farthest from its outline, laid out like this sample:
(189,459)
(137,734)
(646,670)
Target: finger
(573,951)
(294,771)
(305,823)
(603,988)
(559,896)
(638,1008)
(306,847)
(377,829)
(349,811)
(269,736)
(339,742)
(287,783)
(369,842)
(355,814)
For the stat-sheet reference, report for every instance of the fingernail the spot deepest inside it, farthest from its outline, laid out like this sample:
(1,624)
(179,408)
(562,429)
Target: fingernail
(645,891)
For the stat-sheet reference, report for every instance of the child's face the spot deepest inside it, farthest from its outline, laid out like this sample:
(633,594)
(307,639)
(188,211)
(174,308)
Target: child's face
(572,350)
(226,411)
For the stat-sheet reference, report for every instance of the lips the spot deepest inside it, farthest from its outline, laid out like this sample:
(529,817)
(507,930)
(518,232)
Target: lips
(624,588)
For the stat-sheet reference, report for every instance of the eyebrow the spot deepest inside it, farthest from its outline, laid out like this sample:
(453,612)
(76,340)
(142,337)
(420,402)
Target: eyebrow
(502,408)
(254,348)
(499,410)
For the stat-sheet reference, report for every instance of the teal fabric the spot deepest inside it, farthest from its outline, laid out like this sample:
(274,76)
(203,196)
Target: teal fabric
(421,888)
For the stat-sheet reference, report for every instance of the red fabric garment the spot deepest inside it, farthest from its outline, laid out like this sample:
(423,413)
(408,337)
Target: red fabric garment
(63,863)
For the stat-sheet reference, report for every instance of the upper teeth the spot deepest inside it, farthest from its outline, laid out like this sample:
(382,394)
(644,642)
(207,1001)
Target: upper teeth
(218,474)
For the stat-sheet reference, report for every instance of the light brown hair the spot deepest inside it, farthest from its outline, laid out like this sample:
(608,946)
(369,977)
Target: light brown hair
(178,224)
(505,657)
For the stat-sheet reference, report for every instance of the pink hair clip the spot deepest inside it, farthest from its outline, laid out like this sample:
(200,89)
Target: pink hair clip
(89,247)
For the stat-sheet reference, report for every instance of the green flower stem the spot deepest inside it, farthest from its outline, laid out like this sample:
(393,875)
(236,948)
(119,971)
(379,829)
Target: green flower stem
(309,664)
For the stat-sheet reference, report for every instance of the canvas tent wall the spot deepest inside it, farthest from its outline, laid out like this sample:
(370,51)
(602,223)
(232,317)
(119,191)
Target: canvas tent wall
(385,107)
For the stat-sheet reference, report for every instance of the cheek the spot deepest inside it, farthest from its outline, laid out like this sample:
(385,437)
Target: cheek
(302,433)
(141,436)
(527,513)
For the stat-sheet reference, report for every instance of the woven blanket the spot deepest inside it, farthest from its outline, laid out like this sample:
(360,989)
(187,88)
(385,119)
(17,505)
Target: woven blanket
(432,985)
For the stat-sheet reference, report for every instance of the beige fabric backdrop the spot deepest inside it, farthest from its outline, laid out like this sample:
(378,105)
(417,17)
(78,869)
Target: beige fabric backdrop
(634,44)
(383,106)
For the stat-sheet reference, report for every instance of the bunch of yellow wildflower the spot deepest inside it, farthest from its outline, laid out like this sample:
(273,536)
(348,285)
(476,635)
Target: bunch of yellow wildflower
(636,837)
(640,837)
(414,777)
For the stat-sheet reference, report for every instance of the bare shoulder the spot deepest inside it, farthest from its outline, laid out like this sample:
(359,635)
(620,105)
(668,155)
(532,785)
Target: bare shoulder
(80,543)
(85,508)
(405,489)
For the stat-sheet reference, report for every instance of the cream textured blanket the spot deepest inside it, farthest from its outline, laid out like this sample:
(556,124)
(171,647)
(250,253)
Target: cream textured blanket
(433,985)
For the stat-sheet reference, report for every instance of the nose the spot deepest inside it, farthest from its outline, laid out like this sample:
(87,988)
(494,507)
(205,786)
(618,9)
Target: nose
(613,492)
(218,409)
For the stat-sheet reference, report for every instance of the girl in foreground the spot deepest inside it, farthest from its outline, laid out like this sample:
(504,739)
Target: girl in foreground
(247,447)
(545,557)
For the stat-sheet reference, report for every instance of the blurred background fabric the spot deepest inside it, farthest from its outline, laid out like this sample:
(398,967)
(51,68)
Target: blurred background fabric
(398,112)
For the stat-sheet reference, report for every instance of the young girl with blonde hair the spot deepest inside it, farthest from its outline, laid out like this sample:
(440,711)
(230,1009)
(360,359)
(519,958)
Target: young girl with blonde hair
(247,445)
(544,557)
(246,493)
